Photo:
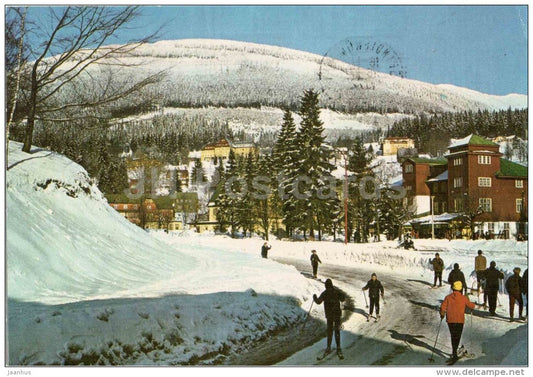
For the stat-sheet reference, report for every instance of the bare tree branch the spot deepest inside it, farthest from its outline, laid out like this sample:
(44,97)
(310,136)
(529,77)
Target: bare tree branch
(76,42)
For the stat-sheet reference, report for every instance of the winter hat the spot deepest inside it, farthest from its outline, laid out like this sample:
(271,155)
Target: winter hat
(437,255)
(456,266)
(329,284)
(457,286)
(313,251)
(479,252)
(374,274)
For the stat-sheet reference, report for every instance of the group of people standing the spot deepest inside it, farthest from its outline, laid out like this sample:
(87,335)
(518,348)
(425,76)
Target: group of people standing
(488,279)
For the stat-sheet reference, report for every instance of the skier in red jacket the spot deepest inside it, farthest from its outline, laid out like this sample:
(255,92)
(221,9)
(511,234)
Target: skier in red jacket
(454,306)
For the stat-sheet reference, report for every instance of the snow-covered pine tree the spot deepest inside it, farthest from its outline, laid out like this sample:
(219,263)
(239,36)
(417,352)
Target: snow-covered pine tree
(360,212)
(264,210)
(247,219)
(285,167)
(229,196)
(198,173)
(319,186)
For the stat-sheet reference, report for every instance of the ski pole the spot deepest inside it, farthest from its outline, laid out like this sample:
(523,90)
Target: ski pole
(435,345)
(309,312)
(366,303)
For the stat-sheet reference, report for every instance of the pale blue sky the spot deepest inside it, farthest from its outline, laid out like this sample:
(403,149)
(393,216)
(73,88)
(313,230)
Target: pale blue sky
(479,47)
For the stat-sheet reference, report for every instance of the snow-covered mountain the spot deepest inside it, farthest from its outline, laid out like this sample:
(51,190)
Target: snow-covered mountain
(250,77)
(203,72)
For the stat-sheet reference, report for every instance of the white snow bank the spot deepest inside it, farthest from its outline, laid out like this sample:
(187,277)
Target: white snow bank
(86,286)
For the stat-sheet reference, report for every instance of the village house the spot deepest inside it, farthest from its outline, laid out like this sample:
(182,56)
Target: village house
(416,171)
(165,212)
(475,181)
(391,145)
(220,150)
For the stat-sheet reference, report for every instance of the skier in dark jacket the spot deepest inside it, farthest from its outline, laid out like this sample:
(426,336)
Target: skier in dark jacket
(332,298)
(513,285)
(492,281)
(315,260)
(438,267)
(374,289)
(264,250)
(457,275)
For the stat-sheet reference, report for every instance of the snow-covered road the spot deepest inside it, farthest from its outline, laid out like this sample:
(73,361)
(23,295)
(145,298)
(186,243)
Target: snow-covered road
(409,324)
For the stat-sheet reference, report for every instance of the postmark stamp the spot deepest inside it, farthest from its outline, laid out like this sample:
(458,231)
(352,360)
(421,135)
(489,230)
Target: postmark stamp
(358,59)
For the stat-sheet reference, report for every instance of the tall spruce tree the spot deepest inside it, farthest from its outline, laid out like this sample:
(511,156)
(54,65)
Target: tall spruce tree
(319,200)
(285,168)
(361,210)
(247,219)
(229,196)
(264,210)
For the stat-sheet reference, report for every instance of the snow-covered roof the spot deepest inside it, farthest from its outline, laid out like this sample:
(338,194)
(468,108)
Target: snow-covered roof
(471,139)
(441,177)
(195,154)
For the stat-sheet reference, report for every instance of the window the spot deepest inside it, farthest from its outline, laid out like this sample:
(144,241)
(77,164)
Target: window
(408,168)
(518,205)
(458,182)
(483,160)
(409,188)
(458,204)
(485,204)
(518,183)
(125,206)
(490,227)
(484,181)
(457,161)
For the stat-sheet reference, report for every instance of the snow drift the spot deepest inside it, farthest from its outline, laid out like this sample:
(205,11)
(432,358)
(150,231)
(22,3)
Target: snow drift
(85,286)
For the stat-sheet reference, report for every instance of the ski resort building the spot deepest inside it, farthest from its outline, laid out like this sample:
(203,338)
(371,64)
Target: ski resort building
(391,145)
(416,171)
(221,149)
(474,188)
(162,212)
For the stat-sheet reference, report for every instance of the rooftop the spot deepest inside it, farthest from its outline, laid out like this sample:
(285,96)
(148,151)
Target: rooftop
(429,161)
(441,177)
(511,169)
(471,139)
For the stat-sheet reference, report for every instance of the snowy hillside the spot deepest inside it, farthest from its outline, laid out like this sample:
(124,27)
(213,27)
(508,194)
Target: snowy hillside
(222,74)
(86,286)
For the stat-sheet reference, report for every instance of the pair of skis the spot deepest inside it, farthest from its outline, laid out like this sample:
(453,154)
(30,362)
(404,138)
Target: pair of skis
(327,353)
(462,353)
(376,319)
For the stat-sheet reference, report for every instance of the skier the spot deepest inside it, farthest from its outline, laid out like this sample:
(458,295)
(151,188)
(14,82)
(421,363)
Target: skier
(480,265)
(264,250)
(513,285)
(454,306)
(315,260)
(374,288)
(492,281)
(438,267)
(457,275)
(332,298)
